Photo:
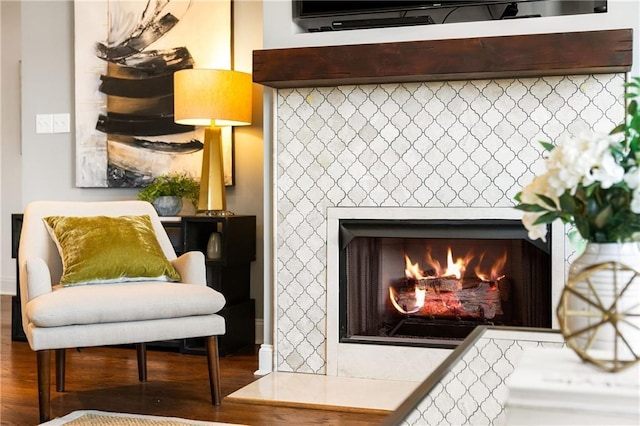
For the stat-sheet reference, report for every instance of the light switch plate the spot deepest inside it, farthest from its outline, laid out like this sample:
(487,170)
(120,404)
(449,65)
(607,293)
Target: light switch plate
(61,123)
(44,123)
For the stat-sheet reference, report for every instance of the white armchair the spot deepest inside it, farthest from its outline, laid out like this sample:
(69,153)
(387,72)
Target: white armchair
(56,317)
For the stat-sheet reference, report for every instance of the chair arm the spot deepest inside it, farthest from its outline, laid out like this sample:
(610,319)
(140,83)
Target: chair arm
(37,278)
(191,267)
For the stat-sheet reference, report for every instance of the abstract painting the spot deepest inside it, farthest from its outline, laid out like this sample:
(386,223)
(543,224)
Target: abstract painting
(125,55)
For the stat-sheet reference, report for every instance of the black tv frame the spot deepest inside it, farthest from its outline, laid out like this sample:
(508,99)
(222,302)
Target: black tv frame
(322,15)
(306,9)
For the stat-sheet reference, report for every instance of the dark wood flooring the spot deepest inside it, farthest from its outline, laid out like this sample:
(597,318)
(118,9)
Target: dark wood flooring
(106,379)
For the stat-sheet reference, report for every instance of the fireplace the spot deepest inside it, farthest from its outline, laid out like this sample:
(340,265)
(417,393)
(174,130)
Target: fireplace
(362,141)
(408,152)
(413,230)
(431,282)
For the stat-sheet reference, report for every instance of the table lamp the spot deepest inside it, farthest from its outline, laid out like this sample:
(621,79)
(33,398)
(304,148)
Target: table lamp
(213,98)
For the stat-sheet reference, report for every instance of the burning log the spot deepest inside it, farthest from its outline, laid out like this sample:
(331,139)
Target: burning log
(452,298)
(440,284)
(441,293)
(484,300)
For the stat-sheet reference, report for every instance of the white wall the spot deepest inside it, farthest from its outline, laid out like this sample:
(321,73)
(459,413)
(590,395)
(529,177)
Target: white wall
(10,174)
(282,32)
(247,195)
(43,34)
(1,227)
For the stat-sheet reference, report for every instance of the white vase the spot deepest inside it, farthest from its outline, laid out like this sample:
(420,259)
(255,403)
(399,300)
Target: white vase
(602,288)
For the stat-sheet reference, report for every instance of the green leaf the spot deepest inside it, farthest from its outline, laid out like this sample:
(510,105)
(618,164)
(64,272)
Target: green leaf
(178,184)
(618,129)
(634,144)
(568,203)
(531,208)
(547,218)
(635,123)
(601,237)
(631,84)
(592,208)
(582,225)
(601,219)
(547,146)
(589,190)
(635,82)
(548,201)
(518,197)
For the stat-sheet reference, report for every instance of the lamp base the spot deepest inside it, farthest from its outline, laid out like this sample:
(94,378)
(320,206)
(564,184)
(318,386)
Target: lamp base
(215,213)
(212,190)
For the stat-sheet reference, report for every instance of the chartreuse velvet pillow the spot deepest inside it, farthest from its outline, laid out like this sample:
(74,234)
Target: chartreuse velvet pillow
(103,249)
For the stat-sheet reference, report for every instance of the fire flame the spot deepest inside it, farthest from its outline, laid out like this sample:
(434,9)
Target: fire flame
(495,271)
(458,267)
(455,268)
(420,295)
(412,270)
(414,300)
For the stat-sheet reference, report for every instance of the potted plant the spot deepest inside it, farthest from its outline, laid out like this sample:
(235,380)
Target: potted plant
(592,182)
(166,191)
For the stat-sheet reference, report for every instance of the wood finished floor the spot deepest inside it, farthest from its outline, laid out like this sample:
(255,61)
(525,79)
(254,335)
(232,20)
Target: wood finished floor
(106,379)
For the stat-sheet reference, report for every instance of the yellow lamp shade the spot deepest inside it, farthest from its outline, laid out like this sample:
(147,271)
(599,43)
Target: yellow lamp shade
(205,97)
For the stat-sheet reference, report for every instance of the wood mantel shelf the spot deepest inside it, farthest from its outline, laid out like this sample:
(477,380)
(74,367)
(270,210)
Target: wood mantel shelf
(590,52)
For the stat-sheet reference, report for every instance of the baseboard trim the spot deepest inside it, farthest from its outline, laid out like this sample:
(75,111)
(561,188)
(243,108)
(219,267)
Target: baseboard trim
(265,360)
(8,286)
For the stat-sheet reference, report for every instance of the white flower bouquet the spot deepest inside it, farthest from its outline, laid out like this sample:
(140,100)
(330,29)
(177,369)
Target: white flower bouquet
(592,181)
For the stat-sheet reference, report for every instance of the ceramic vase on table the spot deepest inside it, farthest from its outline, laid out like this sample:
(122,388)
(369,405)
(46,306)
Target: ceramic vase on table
(168,205)
(214,246)
(599,310)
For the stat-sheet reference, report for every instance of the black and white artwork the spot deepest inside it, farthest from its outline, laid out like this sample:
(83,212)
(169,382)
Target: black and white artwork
(125,55)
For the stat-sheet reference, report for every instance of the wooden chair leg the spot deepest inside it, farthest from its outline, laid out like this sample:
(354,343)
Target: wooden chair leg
(214,368)
(60,369)
(141,351)
(44,384)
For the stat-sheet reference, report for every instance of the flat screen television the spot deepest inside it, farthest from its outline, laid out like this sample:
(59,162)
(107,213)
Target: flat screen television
(303,9)
(332,15)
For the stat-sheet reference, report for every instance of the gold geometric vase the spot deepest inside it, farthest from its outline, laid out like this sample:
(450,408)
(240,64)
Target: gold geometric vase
(599,309)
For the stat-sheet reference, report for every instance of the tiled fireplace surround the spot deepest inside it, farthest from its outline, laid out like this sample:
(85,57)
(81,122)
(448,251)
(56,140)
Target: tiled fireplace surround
(442,149)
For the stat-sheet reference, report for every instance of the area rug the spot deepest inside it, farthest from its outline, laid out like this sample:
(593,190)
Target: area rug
(104,418)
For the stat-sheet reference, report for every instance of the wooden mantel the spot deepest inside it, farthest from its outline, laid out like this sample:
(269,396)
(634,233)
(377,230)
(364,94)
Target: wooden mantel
(590,52)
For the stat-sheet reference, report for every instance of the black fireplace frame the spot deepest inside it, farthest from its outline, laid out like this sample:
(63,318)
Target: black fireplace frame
(438,228)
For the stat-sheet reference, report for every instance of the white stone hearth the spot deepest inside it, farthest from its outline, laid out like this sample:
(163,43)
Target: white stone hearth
(467,145)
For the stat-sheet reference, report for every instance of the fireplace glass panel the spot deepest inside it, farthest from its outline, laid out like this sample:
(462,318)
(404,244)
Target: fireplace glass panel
(432,282)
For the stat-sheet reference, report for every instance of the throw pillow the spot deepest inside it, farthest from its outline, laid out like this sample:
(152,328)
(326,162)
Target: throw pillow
(103,249)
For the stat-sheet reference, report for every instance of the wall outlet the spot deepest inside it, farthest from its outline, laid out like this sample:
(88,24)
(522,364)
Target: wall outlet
(61,123)
(44,123)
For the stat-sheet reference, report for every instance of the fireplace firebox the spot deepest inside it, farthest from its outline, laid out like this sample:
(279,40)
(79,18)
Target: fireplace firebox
(431,282)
